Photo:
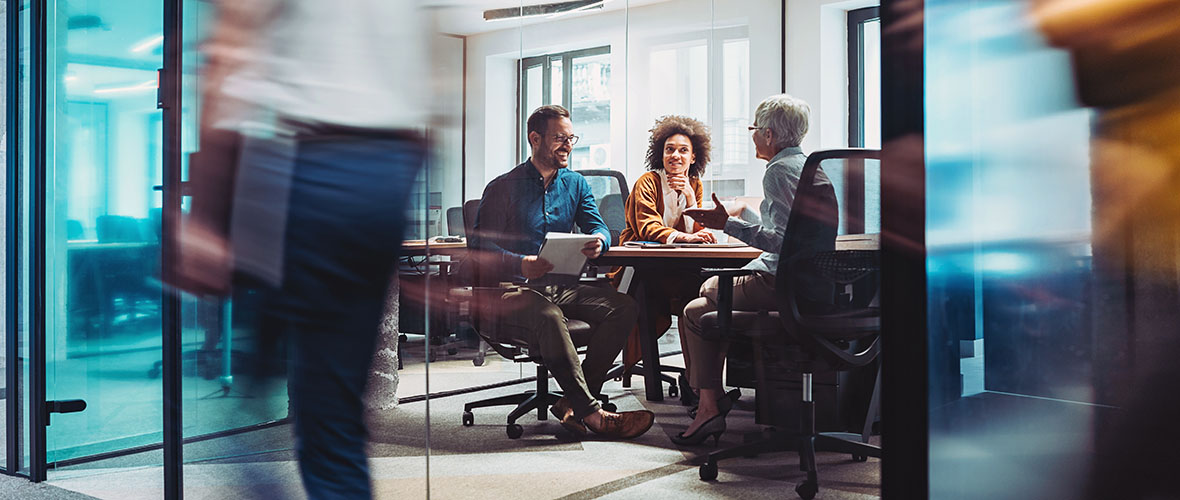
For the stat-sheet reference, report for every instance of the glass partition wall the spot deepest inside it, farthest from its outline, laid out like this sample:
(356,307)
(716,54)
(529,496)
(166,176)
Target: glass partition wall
(110,151)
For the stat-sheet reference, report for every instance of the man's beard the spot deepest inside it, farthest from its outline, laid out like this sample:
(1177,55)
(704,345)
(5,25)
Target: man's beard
(555,163)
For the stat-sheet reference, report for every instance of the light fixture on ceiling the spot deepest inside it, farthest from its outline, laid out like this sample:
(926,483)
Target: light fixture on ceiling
(138,87)
(545,9)
(148,43)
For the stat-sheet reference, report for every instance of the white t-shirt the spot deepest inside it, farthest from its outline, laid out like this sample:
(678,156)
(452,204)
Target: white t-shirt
(355,63)
(675,202)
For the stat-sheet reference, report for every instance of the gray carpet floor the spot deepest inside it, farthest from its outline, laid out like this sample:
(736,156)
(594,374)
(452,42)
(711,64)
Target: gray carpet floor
(546,462)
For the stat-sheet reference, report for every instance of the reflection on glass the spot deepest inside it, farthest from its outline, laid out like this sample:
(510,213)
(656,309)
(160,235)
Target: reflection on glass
(1012,363)
(103,238)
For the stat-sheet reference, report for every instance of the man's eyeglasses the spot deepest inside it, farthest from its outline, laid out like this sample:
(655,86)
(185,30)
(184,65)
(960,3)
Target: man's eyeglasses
(571,139)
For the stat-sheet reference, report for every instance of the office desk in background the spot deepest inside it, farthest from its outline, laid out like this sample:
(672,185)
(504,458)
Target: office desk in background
(105,282)
(653,262)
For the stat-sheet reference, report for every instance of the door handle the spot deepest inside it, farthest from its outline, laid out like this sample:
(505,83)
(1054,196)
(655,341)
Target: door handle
(63,406)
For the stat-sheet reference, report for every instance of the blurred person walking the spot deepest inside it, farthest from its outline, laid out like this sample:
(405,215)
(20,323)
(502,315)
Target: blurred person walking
(329,102)
(1126,58)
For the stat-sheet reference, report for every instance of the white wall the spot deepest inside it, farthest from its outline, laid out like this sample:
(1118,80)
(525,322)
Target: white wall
(492,73)
(816,55)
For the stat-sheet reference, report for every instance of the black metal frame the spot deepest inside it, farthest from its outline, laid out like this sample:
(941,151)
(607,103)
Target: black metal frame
(904,379)
(856,71)
(11,241)
(38,414)
(171,345)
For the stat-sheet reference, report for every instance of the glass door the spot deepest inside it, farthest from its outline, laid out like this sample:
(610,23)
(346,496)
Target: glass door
(102,226)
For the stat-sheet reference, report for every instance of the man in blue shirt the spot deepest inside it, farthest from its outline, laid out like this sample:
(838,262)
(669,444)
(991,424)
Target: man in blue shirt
(539,196)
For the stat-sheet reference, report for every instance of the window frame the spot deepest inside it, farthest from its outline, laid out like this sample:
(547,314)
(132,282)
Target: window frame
(545,61)
(856,72)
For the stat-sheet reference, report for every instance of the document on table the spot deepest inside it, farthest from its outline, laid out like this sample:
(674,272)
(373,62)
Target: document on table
(654,244)
(564,251)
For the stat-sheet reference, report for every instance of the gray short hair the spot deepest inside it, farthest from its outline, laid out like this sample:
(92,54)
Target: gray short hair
(786,116)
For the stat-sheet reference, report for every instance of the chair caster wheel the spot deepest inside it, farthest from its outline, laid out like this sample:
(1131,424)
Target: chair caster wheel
(478,360)
(860,458)
(611,407)
(515,431)
(708,471)
(807,490)
(673,391)
(468,419)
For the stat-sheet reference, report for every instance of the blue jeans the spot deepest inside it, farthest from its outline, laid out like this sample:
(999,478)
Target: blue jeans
(345,225)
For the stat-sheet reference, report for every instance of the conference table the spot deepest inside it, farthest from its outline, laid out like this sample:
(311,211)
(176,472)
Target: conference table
(650,263)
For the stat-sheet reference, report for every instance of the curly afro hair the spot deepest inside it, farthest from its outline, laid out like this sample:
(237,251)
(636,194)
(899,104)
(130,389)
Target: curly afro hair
(668,126)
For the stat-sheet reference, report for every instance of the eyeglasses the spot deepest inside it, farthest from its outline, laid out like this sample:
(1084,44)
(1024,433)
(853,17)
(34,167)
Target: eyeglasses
(754,127)
(571,139)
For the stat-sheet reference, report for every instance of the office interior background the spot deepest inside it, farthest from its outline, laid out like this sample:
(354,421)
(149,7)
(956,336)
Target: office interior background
(1010,377)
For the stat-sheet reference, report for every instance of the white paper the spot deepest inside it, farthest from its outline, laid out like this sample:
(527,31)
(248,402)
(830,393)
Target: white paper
(564,251)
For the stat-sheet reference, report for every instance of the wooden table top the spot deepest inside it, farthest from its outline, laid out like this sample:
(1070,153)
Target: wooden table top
(844,242)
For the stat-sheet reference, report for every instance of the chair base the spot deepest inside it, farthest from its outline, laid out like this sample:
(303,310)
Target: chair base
(620,372)
(539,399)
(805,445)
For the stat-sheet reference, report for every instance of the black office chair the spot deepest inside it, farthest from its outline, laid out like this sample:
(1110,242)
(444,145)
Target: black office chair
(487,327)
(813,329)
(610,192)
(455,223)
(119,229)
(74,230)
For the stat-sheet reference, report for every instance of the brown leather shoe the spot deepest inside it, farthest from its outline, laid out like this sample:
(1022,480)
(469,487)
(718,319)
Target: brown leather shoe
(565,414)
(625,425)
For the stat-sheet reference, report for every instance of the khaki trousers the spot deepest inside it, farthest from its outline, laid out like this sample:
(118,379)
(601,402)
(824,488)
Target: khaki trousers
(537,316)
(705,358)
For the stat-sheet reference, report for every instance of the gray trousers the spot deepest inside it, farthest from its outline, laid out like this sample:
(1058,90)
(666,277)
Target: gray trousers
(705,358)
(537,316)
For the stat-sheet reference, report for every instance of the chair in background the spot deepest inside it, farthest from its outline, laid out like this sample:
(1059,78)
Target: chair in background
(74,230)
(610,192)
(119,229)
(455,223)
(803,336)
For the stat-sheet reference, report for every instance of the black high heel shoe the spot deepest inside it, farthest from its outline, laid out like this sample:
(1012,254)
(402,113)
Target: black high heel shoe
(713,427)
(724,403)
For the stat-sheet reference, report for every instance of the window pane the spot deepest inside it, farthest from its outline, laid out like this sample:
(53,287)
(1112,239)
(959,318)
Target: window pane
(534,89)
(735,154)
(871,84)
(555,82)
(590,111)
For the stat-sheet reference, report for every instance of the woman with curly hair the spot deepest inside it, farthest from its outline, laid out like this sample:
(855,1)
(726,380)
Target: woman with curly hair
(676,158)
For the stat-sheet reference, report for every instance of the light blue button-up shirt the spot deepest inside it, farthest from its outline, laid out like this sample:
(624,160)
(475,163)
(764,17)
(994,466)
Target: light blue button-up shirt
(779,184)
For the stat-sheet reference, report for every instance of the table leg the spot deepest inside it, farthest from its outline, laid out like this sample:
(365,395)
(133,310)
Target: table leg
(648,341)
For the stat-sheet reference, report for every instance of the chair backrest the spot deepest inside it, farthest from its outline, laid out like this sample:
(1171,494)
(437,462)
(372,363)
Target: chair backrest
(118,229)
(74,230)
(610,192)
(810,269)
(456,225)
(470,210)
